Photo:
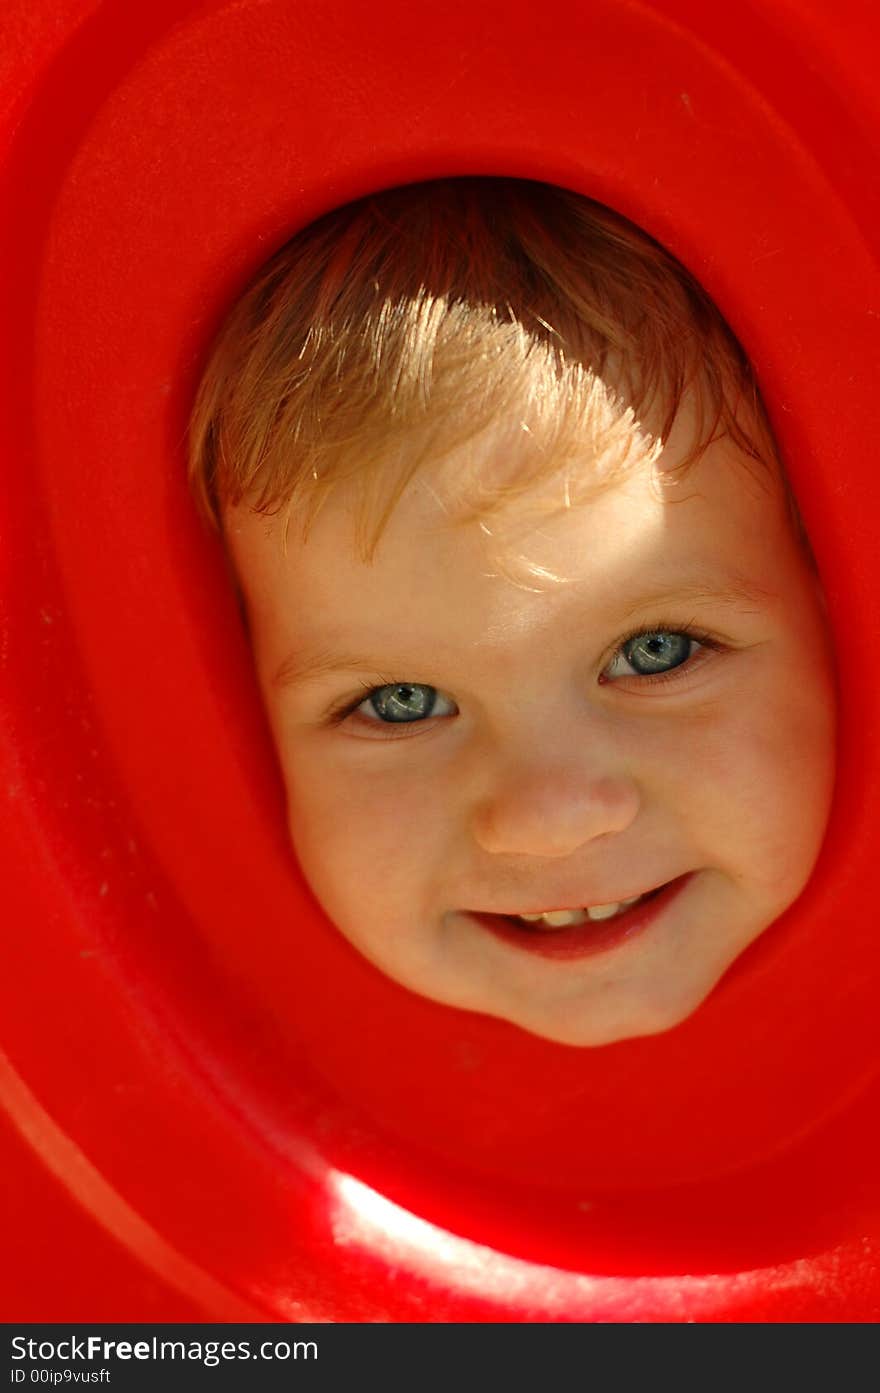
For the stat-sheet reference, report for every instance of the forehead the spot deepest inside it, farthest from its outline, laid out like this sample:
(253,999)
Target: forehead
(648,533)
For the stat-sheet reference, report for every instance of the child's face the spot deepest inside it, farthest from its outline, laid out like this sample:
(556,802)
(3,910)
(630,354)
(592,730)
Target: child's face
(558,763)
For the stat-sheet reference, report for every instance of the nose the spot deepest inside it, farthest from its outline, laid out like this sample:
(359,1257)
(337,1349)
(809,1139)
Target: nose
(553,811)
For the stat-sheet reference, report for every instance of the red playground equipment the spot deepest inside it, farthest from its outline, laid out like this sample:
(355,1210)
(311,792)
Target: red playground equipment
(214,1108)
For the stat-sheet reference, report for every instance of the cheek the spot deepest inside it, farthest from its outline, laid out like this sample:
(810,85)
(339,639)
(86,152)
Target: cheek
(760,777)
(363,832)
(792,725)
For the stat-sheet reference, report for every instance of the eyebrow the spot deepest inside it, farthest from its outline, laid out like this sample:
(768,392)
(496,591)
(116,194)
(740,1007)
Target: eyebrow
(301,667)
(739,593)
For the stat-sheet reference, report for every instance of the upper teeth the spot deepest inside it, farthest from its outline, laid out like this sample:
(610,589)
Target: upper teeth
(562,918)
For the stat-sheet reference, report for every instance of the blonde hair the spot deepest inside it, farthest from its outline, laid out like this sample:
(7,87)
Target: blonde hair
(400,327)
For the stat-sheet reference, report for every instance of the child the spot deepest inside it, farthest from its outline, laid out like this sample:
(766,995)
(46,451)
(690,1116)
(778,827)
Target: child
(540,640)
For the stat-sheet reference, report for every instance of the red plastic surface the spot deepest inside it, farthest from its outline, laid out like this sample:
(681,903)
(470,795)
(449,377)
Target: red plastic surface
(215,1104)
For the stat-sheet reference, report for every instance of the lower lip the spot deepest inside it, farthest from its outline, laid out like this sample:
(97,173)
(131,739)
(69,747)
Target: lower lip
(584,940)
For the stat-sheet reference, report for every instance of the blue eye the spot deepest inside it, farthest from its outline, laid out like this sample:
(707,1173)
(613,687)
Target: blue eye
(646,654)
(406,701)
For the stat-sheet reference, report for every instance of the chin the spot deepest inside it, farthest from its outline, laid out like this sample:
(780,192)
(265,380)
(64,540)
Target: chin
(586,1029)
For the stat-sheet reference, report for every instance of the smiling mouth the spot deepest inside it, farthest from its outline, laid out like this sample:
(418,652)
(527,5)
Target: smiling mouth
(594,914)
(575,933)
